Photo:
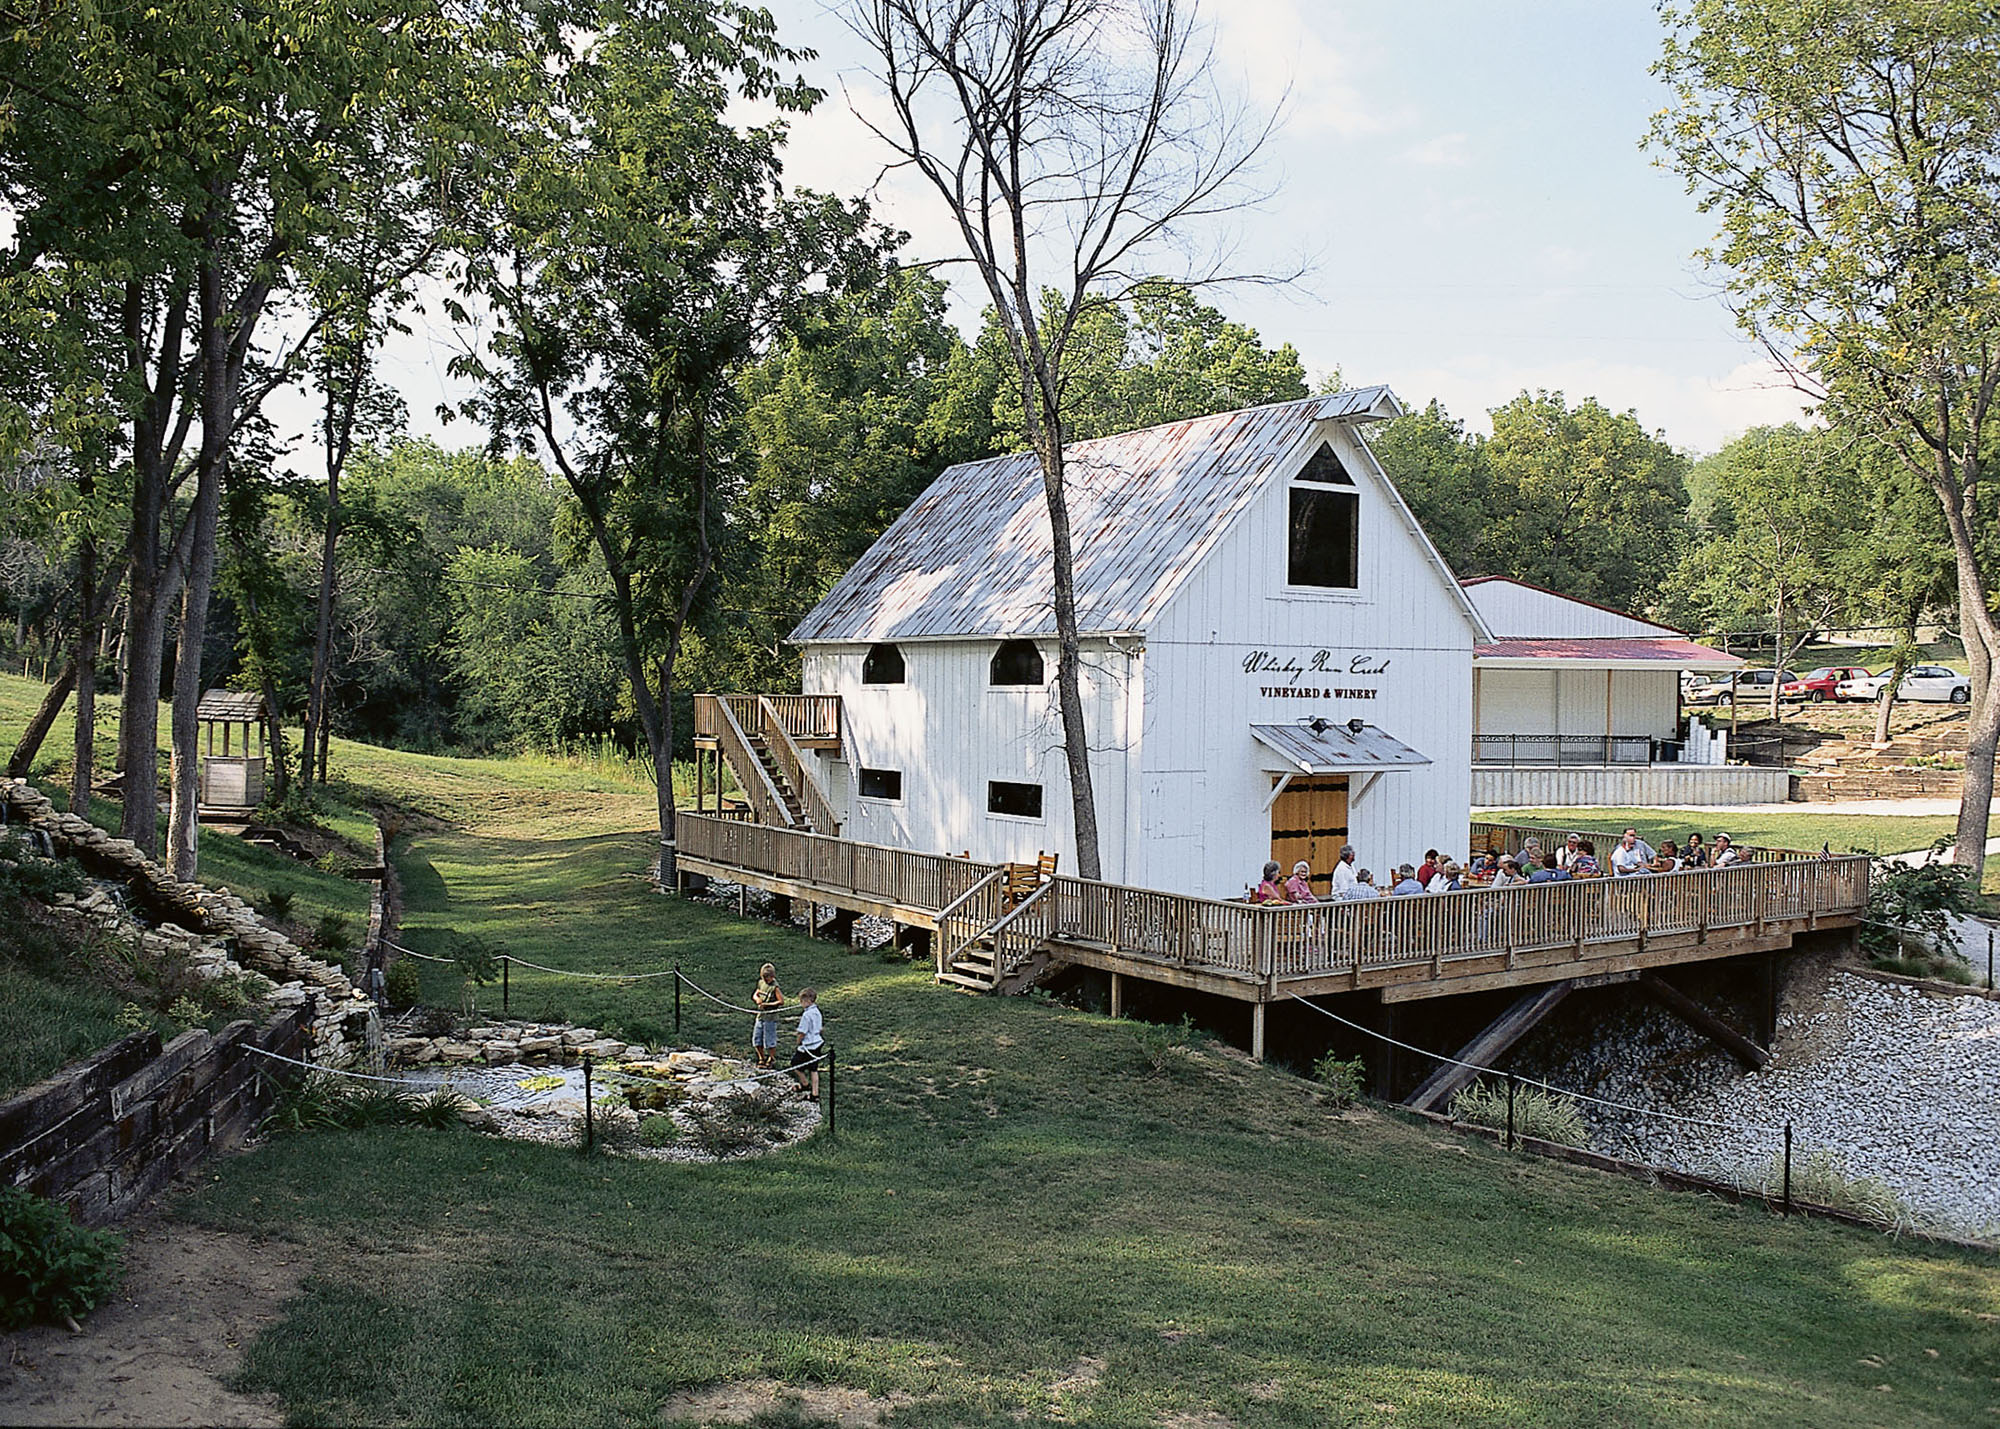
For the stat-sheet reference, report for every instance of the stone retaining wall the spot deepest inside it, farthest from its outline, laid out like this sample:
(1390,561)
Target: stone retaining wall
(107,1132)
(343,1021)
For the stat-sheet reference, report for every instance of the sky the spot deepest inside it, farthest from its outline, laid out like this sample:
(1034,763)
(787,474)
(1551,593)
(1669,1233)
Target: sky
(1466,177)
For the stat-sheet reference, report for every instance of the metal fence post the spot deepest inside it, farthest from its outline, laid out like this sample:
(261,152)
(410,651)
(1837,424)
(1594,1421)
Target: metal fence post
(1788,1168)
(677,999)
(1989,960)
(505,964)
(1510,1111)
(831,1128)
(589,1107)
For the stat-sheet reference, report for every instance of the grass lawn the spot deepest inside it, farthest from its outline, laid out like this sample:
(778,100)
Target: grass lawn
(1843,833)
(1019,1220)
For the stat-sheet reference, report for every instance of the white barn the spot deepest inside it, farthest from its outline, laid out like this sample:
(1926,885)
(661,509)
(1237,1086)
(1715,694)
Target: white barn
(1276,660)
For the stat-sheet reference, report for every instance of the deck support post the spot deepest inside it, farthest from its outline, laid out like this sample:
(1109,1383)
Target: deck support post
(1257,1031)
(812,918)
(781,907)
(841,925)
(1118,994)
(1385,1065)
(743,900)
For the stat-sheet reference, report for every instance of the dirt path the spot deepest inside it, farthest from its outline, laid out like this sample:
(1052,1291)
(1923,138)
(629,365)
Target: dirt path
(158,1353)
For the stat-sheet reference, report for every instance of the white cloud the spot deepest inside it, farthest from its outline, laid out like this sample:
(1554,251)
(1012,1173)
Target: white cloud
(1444,151)
(1698,412)
(1272,48)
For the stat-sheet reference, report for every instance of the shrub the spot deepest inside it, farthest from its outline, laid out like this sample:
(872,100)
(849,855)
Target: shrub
(659,1131)
(1546,1116)
(276,904)
(26,874)
(717,1129)
(330,933)
(1821,1179)
(405,985)
(50,1268)
(1916,901)
(1939,967)
(1163,1045)
(1342,1079)
(187,1012)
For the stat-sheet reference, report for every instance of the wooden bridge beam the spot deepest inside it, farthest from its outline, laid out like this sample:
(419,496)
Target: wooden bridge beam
(1703,1021)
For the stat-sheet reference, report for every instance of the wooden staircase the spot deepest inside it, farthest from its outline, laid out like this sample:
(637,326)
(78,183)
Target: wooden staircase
(780,781)
(986,940)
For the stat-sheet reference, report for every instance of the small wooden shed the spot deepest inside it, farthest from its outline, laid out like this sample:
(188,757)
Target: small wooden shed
(232,780)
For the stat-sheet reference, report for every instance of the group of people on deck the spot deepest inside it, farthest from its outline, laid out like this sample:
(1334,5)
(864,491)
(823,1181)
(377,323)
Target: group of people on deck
(1576,858)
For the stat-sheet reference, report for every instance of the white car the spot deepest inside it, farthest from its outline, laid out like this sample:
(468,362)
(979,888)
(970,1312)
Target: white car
(1935,683)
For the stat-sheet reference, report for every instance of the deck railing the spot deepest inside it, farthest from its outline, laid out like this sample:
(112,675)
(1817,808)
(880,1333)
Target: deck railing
(1273,945)
(807,718)
(778,739)
(733,740)
(899,876)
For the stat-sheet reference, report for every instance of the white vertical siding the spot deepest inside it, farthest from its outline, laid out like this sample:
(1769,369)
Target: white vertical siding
(1514,610)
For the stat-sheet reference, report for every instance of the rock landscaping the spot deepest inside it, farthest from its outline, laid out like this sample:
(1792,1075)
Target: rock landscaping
(219,933)
(524,1080)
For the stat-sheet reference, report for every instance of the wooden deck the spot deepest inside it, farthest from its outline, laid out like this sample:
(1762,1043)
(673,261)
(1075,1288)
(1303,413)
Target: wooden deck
(1433,945)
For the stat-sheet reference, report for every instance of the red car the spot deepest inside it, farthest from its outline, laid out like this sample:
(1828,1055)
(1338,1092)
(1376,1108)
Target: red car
(1817,685)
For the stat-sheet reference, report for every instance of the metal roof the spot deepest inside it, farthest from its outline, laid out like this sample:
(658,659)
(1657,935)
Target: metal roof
(970,557)
(1607,652)
(230,706)
(1334,748)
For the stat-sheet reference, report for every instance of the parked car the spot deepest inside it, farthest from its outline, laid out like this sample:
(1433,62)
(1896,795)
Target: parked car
(1749,685)
(1820,684)
(1937,683)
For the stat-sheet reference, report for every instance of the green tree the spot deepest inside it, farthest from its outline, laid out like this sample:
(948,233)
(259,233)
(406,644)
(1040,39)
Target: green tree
(642,255)
(1781,548)
(845,422)
(1443,474)
(1585,501)
(1850,152)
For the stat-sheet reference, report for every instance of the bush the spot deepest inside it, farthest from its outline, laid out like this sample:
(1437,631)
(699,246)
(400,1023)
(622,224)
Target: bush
(1546,1116)
(1917,904)
(659,1131)
(1822,1180)
(330,933)
(405,984)
(50,1268)
(1938,967)
(1342,1079)
(277,904)
(187,1012)
(26,874)
(1162,1046)
(324,1101)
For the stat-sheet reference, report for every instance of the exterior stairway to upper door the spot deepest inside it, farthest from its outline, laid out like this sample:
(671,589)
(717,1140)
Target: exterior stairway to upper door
(754,734)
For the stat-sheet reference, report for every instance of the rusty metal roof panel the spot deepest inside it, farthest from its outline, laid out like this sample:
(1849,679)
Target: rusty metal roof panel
(1330,747)
(970,557)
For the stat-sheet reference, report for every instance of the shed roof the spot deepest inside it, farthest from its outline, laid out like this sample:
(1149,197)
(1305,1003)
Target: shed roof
(230,706)
(1608,652)
(970,557)
(1336,749)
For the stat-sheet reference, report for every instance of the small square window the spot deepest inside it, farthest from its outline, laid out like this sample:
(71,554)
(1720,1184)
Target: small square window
(882,784)
(1024,801)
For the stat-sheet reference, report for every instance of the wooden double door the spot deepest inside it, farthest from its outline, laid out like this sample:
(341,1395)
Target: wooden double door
(1309,821)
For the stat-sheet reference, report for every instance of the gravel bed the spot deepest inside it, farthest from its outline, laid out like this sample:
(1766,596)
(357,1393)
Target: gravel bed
(1898,1084)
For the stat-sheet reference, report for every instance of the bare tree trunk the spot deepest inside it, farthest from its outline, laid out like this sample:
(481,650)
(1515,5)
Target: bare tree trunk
(1975,796)
(218,402)
(40,723)
(87,641)
(139,702)
(274,725)
(1069,665)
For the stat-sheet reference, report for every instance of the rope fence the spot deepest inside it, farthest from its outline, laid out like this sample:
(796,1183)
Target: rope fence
(1514,1080)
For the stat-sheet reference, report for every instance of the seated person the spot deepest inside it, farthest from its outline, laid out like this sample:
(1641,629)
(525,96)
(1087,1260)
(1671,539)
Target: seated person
(1298,888)
(1630,856)
(1509,872)
(1446,879)
(1668,859)
(1566,855)
(1406,882)
(1362,887)
(1694,853)
(1725,852)
(1427,870)
(1270,890)
(1550,872)
(1483,865)
(1585,864)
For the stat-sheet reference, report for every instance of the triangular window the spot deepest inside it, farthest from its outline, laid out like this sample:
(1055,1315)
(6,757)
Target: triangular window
(1325,467)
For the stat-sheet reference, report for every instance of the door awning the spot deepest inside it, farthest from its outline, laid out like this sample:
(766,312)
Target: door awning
(1328,747)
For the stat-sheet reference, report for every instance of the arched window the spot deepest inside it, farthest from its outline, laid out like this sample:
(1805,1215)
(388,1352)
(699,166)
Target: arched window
(882,665)
(1016,662)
